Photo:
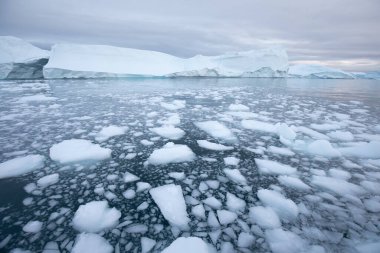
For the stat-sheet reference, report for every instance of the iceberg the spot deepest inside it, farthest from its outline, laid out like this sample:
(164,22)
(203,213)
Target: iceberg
(20,59)
(317,71)
(99,61)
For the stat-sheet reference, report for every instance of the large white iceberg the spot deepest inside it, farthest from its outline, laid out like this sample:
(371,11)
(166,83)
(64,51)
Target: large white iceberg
(20,59)
(317,71)
(93,61)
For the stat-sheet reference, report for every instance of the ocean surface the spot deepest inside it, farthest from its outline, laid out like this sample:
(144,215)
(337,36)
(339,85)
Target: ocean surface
(325,195)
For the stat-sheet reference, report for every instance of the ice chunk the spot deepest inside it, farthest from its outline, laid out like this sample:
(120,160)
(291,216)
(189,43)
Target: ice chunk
(177,175)
(345,175)
(265,217)
(77,150)
(212,202)
(48,180)
(95,216)
(147,244)
(213,146)
(129,194)
(372,204)
(216,130)
(236,176)
(325,126)
(169,132)
(341,135)
(20,59)
(51,247)
(245,240)
(110,131)
(199,211)
(238,107)
(171,153)
(317,71)
(293,182)
(32,227)
(369,247)
(364,150)
(272,167)
(187,245)
(175,105)
(285,208)
(169,198)
(90,243)
(129,177)
(280,151)
(371,186)
(259,126)
(322,148)
(142,186)
(338,186)
(284,131)
(90,61)
(231,160)
(21,165)
(281,241)
(226,217)
(234,203)
(36,98)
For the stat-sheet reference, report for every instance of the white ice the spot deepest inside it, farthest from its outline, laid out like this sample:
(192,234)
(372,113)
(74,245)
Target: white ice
(171,153)
(21,165)
(213,146)
(32,227)
(273,167)
(107,132)
(265,217)
(90,243)
(77,150)
(216,130)
(48,180)
(95,216)
(235,176)
(187,245)
(169,132)
(169,198)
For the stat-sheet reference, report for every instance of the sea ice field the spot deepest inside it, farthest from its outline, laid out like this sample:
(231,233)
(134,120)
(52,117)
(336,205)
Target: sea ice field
(190,165)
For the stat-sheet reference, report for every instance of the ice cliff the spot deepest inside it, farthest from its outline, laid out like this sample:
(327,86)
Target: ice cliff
(317,71)
(93,61)
(20,59)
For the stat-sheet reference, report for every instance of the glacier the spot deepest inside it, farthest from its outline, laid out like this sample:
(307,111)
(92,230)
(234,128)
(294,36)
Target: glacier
(317,71)
(99,61)
(20,59)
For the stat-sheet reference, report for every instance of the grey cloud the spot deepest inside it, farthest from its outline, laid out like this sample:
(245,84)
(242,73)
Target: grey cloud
(341,33)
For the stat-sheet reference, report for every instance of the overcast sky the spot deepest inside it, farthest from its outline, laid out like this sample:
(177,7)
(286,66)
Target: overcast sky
(340,33)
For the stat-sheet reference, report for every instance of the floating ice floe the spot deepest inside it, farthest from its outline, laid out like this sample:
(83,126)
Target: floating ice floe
(110,131)
(238,107)
(285,208)
(323,148)
(294,183)
(233,161)
(235,176)
(265,217)
(281,241)
(272,167)
(169,132)
(147,244)
(213,146)
(129,177)
(280,151)
(226,217)
(32,227)
(363,150)
(90,243)
(95,216)
(341,135)
(36,98)
(259,126)
(234,203)
(216,130)
(187,245)
(21,165)
(337,186)
(171,153)
(175,105)
(48,180)
(77,150)
(169,199)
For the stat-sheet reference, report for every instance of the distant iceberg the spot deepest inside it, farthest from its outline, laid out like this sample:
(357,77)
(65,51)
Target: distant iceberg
(317,71)
(94,61)
(20,59)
